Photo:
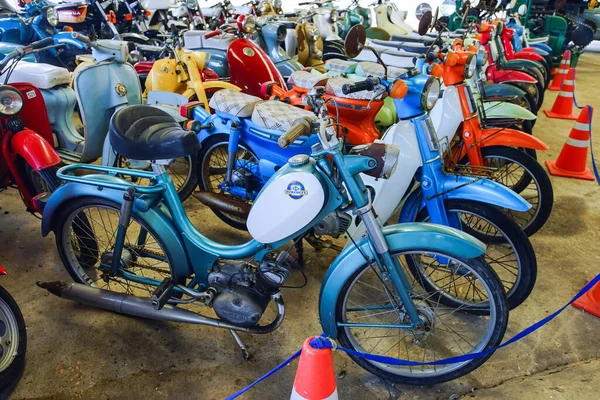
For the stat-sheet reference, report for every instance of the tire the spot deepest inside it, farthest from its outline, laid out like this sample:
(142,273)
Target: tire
(209,147)
(495,325)
(185,182)
(11,320)
(509,235)
(108,211)
(535,174)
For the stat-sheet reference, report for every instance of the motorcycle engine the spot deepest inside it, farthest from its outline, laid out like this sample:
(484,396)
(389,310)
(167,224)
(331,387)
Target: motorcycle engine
(245,290)
(333,224)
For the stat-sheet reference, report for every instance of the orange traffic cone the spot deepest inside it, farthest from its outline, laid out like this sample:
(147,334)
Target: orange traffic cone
(572,160)
(563,106)
(561,72)
(590,301)
(315,378)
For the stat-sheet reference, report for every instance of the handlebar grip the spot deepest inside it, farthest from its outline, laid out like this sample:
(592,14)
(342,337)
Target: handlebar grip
(81,38)
(301,127)
(42,43)
(367,84)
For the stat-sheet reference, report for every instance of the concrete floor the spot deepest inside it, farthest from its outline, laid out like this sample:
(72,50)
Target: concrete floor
(79,352)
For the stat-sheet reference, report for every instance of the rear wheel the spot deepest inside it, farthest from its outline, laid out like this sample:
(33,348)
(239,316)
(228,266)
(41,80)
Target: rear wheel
(368,297)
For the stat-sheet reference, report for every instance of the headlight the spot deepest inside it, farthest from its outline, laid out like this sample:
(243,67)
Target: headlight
(11,100)
(431,93)
(385,155)
(448,7)
(249,24)
(313,34)
(51,16)
(470,66)
(144,4)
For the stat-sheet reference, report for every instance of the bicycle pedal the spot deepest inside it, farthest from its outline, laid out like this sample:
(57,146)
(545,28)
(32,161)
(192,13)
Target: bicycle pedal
(162,293)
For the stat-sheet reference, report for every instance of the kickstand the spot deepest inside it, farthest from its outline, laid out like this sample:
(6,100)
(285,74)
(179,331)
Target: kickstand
(300,251)
(239,342)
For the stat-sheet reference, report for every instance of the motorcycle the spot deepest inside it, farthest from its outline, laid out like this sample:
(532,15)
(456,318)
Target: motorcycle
(37,21)
(14,342)
(28,159)
(187,267)
(238,58)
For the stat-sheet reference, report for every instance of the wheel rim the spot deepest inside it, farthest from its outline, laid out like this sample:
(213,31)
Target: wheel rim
(9,336)
(515,176)
(142,256)
(214,168)
(405,344)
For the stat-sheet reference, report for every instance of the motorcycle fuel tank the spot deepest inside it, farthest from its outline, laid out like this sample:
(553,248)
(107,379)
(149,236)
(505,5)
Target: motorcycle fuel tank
(290,200)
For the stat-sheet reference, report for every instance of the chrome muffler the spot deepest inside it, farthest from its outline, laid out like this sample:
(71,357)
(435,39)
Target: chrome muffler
(142,307)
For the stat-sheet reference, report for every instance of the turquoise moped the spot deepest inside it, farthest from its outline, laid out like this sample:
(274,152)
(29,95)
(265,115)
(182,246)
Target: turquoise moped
(131,249)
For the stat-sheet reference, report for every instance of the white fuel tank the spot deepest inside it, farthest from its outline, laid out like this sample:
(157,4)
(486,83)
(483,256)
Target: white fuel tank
(290,201)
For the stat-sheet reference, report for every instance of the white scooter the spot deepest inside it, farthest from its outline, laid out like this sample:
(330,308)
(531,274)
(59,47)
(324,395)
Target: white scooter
(390,19)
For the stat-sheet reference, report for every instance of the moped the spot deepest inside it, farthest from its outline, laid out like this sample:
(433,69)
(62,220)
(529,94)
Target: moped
(325,18)
(238,58)
(28,159)
(37,21)
(304,42)
(157,265)
(14,342)
(390,19)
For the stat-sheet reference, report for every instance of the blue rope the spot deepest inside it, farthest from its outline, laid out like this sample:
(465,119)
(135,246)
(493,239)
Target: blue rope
(590,112)
(322,342)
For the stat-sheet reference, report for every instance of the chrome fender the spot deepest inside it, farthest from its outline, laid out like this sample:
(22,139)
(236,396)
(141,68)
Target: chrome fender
(400,237)
(155,217)
(504,109)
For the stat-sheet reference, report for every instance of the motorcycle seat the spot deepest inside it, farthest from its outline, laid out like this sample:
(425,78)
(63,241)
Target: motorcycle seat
(234,103)
(340,66)
(43,76)
(197,40)
(306,80)
(142,132)
(367,68)
(278,116)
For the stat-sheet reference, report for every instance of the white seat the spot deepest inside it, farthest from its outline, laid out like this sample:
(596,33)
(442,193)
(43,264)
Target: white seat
(307,80)
(278,116)
(43,76)
(196,40)
(235,103)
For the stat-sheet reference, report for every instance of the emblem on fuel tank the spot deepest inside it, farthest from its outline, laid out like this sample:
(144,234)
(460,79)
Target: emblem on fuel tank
(121,89)
(296,190)
(248,51)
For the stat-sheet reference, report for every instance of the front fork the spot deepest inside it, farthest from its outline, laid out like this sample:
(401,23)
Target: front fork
(124,220)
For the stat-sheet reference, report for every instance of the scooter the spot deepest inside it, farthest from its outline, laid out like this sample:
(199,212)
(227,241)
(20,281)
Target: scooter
(14,342)
(325,19)
(308,43)
(28,159)
(37,21)
(239,282)
(390,19)
(240,59)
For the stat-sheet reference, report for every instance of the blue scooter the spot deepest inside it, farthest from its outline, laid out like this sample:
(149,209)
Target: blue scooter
(37,21)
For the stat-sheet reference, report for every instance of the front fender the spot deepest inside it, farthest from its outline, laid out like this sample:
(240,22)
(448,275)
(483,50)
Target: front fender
(400,237)
(507,75)
(36,151)
(483,191)
(542,46)
(497,90)
(155,217)
(510,137)
(528,55)
(219,85)
(504,109)
(135,37)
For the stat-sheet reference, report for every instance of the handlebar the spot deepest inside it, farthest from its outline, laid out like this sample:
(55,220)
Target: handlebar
(42,43)
(212,34)
(301,128)
(81,38)
(367,84)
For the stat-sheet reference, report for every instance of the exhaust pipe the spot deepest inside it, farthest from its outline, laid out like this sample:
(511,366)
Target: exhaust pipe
(141,307)
(224,203)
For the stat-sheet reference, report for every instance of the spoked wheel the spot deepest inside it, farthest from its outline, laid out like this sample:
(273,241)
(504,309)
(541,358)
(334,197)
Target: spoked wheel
(212,160)
(369,297)
(508,249)
(90,220)
(524,175)
(182,171)
(13,343)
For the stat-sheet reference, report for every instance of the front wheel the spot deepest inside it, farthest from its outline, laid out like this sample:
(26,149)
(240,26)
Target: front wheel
(13,343)
(368,297)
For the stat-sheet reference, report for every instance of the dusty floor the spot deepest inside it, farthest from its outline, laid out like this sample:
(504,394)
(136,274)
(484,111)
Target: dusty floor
(79,352)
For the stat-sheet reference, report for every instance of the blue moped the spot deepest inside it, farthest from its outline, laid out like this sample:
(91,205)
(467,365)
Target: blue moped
(144,257)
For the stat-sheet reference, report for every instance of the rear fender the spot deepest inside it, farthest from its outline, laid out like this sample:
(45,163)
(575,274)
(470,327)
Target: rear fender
(155,217)
(510,137)
(401,237)
(36,151)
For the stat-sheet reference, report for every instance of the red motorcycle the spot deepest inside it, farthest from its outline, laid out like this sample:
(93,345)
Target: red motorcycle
(28,161)
(14,342)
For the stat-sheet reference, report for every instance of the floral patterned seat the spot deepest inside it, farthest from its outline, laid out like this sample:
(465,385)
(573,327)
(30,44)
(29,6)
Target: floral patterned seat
(278,116)
(307,80)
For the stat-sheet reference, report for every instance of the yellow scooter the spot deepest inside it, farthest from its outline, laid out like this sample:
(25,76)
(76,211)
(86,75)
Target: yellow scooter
(310,45)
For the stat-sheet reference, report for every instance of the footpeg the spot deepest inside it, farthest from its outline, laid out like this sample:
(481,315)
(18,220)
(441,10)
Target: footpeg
(162,294)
